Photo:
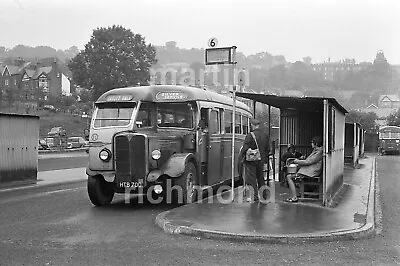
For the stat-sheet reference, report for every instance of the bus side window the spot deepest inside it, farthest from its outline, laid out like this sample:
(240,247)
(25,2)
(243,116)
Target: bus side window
(238,124)
(245,124)
(228,121)
(214,122)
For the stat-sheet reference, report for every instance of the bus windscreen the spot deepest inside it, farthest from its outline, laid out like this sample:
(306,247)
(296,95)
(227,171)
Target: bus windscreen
(115,114)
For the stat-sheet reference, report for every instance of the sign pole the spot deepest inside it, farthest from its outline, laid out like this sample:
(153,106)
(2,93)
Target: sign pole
(233,121)
(225,55)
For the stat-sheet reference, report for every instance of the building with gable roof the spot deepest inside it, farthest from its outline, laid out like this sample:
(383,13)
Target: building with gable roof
(389,101)
(387,104)
(9,86)
(23,85)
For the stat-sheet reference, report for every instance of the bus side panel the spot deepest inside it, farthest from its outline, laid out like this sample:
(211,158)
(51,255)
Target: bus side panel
(215,162)
(238,144)
(226,157)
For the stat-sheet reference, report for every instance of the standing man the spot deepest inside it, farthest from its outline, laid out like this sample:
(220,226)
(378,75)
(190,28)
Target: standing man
(254,175)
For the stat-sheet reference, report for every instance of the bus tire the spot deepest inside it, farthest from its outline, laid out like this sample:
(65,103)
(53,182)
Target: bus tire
(187,181)
(99,191)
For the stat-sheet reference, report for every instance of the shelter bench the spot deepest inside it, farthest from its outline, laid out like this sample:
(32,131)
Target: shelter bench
(313,182)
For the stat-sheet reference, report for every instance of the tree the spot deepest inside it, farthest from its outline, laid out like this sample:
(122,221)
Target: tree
(85,95)
(394,118)
(114,57)
(72,51)
(359,99)
(68,100)
(367,120)
(277,76)
(301,75)
(307,60)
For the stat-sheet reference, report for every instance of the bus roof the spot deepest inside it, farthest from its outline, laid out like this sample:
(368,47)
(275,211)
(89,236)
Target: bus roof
(389,128)
(166,93)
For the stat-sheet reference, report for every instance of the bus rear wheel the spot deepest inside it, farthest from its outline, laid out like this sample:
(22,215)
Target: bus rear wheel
(187,182)
(100,192)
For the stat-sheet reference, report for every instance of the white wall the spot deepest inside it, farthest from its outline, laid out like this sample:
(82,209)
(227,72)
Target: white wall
(65,85)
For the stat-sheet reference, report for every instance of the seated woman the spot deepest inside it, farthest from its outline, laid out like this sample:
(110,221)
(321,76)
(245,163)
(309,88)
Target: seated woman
(290,153)
(309,167)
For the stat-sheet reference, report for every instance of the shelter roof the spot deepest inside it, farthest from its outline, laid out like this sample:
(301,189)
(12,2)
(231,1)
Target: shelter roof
(296,103)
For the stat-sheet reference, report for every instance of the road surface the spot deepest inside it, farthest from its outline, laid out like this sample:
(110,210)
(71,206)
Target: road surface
(58,225)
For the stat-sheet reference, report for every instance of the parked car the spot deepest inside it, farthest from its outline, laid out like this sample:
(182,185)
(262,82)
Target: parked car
(42,145)
(76,142)
(49,107)
(57,131)
(50,142)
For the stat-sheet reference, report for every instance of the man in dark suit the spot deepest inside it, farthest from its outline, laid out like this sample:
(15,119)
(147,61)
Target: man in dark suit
(253,174)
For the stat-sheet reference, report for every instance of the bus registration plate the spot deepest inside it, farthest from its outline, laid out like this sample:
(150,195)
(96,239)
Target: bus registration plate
(128,184)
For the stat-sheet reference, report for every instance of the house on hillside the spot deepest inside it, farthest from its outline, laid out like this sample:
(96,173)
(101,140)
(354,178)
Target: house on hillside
(2,90)
(9,86)
(389,101)
(52,81)
(387,104)
(372,107)
(23,84)
(27,91)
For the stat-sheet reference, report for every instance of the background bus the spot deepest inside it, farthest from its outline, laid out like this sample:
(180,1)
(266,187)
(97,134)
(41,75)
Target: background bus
(389,140)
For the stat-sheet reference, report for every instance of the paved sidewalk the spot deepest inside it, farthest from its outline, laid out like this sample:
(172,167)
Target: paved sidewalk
(279,221)
(48,178)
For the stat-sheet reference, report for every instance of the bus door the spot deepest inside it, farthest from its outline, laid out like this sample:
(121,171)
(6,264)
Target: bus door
(215,152)
(204,142)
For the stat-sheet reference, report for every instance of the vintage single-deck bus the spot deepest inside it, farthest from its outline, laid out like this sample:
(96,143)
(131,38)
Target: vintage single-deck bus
(140,137)
(389,139)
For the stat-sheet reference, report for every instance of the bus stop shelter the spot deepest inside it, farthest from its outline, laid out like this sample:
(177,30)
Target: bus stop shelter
(353,143)
(302,118)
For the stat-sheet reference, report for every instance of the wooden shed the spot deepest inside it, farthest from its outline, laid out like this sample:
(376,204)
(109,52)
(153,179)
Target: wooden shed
(19,147)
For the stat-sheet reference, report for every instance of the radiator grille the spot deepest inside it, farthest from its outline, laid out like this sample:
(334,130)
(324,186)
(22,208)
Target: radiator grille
(130,154)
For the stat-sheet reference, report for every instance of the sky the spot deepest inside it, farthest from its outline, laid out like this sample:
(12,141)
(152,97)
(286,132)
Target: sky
(322,29)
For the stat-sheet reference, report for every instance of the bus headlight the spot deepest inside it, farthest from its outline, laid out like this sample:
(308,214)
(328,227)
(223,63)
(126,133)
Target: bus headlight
(158,189)
(105,155)
(156,154)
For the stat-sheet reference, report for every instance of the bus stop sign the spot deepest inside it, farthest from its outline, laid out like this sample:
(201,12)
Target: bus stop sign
(221,55)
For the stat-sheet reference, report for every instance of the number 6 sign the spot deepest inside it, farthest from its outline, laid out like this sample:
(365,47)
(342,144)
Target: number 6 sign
(212,42)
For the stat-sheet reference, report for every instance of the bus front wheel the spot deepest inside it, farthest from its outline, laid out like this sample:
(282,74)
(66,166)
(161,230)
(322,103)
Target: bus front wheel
(187,182)
(99,191)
